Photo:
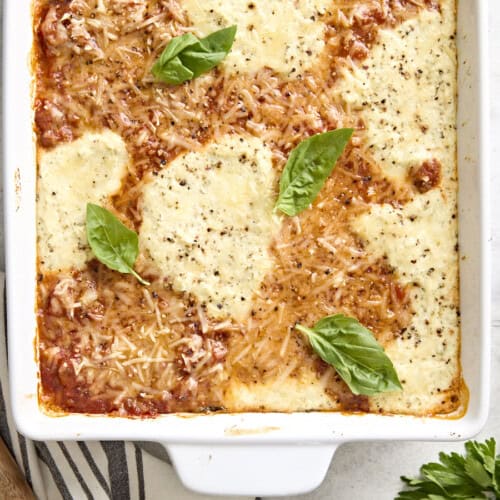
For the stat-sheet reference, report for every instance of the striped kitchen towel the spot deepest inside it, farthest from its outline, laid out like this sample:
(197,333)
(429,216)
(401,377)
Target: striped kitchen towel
(86,470)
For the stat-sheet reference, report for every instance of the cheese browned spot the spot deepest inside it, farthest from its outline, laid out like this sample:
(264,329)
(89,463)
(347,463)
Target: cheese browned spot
(89,169)
(208,222)
(284,35)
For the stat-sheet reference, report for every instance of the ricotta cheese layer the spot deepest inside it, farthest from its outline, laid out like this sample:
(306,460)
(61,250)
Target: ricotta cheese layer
(405,91)
(284,35)
(208,223)
(419,242)
(71,175)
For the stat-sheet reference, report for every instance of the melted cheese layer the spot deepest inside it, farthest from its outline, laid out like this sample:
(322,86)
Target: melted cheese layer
(419,241)
(208,222)
(300,393)
(405,91)
(284,35)
(89,169)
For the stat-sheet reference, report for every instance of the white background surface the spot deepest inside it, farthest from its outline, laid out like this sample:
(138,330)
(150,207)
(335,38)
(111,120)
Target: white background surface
(370,471)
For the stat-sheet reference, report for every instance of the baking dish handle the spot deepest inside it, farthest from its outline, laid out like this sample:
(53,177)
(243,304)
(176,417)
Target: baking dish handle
(251,470)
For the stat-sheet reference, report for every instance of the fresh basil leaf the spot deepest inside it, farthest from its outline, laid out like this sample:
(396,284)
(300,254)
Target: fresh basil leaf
(209,51)
(470,477)
(307,169)
(355,354)
(174,48)
(187,57)
(113,243)
(174,72)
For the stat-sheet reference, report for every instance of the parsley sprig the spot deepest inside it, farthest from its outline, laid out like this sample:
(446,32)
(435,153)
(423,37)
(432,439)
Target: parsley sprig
(473,476)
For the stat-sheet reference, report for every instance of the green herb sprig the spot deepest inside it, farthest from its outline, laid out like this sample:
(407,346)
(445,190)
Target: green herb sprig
(355,354)
(473,476)
(187,57)
(307,169)
(113,243)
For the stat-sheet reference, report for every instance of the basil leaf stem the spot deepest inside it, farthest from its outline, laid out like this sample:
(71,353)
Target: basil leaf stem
(355,354)
(307,169)
(113,243)
(187,57)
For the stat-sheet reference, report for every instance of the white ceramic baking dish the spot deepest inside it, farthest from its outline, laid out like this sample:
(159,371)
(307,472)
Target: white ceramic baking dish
(250,454)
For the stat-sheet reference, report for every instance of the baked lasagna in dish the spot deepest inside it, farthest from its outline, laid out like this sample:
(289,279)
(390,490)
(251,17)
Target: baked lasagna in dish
(246,205)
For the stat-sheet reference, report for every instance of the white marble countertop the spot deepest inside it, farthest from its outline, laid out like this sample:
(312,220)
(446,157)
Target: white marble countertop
(371,471)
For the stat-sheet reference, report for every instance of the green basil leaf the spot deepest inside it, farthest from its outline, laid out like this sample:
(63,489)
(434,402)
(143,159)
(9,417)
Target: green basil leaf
(209,51)
(175,72)
(174,48)
(355,354)
(307,169)
(113,243)
(187,57)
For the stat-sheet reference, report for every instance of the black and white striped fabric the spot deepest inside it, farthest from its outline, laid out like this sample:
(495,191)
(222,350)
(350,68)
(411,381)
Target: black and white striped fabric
(86,470)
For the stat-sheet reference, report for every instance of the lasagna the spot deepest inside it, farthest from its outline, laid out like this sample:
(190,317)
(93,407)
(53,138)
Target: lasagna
(194,170)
